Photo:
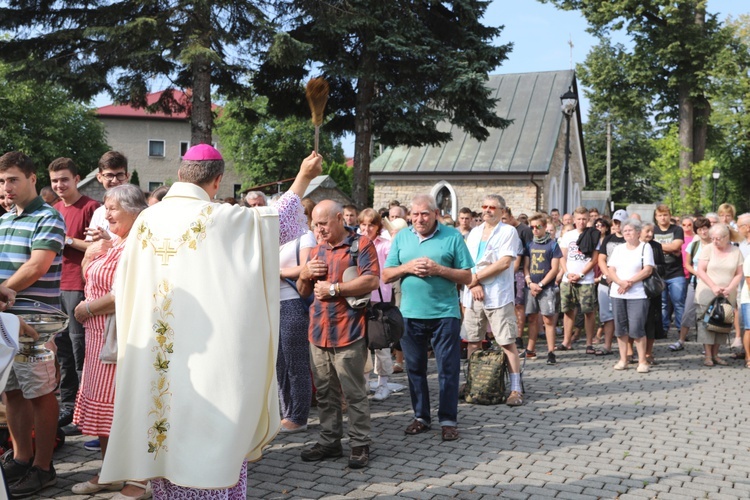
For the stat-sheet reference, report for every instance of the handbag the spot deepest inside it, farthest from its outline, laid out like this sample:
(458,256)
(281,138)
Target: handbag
(384,325)
(719,316)
(653,285)
(108,354)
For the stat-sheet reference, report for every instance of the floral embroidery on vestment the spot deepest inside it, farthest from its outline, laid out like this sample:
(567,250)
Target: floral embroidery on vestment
(162,247)
(160,395)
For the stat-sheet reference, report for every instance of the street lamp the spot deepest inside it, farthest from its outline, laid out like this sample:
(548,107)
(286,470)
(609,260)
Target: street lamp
(569,102)
(715,174)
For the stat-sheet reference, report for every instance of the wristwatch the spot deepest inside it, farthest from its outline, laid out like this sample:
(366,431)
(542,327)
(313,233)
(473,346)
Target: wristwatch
(68,240)
(332,290)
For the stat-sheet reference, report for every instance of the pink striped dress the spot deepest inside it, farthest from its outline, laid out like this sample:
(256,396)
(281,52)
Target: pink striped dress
(96,396)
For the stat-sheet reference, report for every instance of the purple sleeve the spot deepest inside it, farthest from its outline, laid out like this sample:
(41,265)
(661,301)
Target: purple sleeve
(292,219)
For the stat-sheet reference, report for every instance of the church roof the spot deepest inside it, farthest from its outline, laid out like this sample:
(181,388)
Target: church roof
(531,100)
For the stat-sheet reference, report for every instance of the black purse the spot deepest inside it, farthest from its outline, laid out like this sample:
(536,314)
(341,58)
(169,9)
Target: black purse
(385,324)
(653,285)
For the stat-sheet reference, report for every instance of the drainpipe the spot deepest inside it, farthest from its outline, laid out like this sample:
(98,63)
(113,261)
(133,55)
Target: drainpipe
(538,193)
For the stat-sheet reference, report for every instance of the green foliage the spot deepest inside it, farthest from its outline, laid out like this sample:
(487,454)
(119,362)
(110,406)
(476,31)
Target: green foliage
(632,151)
(266,149)
(396,68)
(121,47)
(699,196)
(45,123)
(134,178)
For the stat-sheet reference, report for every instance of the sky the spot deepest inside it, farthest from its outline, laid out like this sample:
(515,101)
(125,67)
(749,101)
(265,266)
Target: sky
(540,34)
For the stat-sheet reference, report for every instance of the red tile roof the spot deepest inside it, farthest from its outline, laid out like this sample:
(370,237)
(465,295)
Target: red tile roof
(127,111)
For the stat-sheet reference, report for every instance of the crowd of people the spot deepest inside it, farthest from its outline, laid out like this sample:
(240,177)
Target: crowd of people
(157,353)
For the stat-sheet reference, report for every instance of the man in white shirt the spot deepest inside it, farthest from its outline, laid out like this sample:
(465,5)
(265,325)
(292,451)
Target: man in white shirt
(113,171)
(577,288)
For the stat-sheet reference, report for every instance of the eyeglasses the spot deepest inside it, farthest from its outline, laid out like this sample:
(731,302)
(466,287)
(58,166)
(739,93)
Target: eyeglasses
(489,207)
(719,238)
(120,176)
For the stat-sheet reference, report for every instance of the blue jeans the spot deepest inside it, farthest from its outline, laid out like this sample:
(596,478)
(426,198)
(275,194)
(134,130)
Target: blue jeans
(675,291)
(445,336)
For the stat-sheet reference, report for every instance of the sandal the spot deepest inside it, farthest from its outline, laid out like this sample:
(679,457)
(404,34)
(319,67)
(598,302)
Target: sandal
(719,361)
(416,427)
(563,347)
(590,349)
(677,346)
(450,433)
(603,352)
(708,362)
(747,365)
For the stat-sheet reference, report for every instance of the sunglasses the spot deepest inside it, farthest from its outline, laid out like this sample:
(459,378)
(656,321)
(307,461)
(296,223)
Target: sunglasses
(489,207)
(534,226)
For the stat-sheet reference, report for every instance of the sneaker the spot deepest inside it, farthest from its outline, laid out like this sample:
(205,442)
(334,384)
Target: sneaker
(93,445)
(527,354)
(34,481)
(12,469)
(551,359)
(65,416)
(359,457)
(319,452)
(515,399)
(677,346)
(381,393)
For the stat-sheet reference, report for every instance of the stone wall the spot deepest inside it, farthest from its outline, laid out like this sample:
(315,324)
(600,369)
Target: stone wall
(519,195)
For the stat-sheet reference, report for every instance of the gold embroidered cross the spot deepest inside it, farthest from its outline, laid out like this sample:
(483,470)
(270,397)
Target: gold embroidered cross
(166,251)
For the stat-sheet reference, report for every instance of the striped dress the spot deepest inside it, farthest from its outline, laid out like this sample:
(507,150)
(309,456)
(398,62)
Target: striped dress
(96,397)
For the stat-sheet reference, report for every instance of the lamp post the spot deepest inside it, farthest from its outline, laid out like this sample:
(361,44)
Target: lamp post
(715,174)
(569,102)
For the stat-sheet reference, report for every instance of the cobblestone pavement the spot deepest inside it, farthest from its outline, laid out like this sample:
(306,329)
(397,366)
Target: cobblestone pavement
(585,431)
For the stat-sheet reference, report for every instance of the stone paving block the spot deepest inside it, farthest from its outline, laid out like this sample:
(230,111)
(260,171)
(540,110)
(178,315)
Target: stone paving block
(418,495)
(537,492)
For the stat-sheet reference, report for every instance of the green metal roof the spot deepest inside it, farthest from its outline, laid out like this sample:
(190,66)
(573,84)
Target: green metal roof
(531,100)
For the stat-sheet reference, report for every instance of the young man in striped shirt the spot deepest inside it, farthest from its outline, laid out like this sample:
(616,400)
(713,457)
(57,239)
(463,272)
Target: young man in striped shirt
(31,242)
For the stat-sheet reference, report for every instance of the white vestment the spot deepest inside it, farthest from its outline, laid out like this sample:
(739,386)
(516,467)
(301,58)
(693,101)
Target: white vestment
(197,297)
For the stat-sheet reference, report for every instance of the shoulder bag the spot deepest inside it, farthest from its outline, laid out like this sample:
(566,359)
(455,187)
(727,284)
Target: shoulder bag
(653,285)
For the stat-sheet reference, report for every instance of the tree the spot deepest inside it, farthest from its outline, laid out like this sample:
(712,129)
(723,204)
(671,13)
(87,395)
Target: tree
(270,149)
(674,43)
(42,121)
(397,68)
(632,153)
(120,47)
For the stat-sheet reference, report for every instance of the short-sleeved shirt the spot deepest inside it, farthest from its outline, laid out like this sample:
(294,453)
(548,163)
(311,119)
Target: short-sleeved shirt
(39,227)
(672,263)
(432,297)
(540,260)
(332,322)
(576,259)
(627,263)
(77,219)
(721,269)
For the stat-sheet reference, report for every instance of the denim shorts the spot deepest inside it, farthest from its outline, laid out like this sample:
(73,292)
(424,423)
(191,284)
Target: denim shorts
(745,311)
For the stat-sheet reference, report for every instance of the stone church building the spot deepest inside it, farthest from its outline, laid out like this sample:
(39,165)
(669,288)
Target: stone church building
(524,162)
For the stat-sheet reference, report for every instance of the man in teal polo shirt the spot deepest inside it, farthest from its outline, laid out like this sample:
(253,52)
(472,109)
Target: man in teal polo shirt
(430,260)
(31,242)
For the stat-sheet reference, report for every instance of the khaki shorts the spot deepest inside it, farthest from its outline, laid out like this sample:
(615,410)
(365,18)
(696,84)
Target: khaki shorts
(583,296)
(502,321)
(32,379)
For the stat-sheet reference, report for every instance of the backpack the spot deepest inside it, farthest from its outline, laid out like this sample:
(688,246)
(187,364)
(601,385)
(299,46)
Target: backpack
(485,378)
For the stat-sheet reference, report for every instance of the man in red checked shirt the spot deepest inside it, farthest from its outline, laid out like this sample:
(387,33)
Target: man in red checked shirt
(337,333)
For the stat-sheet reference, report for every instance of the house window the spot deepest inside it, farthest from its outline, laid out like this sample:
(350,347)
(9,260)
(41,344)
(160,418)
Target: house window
(444,201)
(184,146)
(156,149)
(153,185)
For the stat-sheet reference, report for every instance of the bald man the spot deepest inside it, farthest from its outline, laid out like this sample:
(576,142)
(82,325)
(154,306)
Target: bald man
(338,348)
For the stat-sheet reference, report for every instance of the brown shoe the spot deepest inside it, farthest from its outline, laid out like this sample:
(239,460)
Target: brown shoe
(450,433)
(416,427)
(515,399)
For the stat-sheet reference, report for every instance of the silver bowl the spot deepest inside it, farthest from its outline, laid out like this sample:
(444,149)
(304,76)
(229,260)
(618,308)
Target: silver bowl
(47,321)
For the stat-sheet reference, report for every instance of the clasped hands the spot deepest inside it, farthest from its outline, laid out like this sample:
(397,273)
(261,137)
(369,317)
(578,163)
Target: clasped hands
(423,267)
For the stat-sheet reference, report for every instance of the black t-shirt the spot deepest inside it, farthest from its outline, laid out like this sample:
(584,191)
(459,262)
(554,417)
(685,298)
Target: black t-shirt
(611,241)
(525,233)
(672,262)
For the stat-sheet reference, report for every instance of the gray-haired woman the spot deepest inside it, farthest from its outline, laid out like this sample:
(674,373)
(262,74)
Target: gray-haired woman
(719,273)
(96,396)
(629,265)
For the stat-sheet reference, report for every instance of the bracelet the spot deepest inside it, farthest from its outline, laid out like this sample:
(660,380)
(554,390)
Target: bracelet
(88,310)
(338,289)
